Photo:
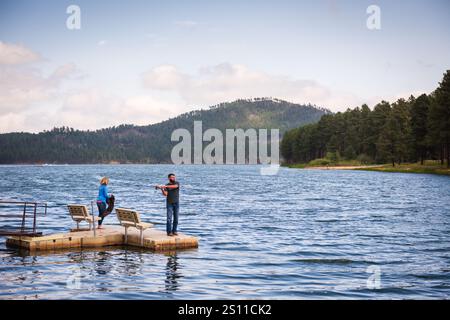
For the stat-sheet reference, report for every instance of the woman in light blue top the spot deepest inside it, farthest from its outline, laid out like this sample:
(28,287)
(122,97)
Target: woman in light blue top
(102,199)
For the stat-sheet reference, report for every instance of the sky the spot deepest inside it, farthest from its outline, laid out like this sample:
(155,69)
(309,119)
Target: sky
(141,62)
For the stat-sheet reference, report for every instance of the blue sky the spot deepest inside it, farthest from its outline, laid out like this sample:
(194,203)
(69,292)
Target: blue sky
(145,61)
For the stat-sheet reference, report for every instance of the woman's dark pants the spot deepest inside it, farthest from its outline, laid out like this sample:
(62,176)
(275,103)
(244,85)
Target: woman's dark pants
(101,210)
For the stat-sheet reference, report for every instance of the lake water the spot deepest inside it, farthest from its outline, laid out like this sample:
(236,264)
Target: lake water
(301,234)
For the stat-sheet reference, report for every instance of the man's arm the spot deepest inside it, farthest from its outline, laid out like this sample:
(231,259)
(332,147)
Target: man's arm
(171,186)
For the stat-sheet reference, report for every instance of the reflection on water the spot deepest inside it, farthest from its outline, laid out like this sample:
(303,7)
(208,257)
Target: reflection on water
(172,272)
(299,234)
(131,269)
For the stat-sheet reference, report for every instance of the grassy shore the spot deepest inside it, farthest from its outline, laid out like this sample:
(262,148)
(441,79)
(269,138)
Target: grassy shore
(325,164)
(429,167)
(412,168)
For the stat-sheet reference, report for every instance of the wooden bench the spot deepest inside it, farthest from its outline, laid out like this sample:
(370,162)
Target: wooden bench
(81,213)
(130,218)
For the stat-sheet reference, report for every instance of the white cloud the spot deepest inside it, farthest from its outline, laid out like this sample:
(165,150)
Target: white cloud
(226,82)
(25,89)
(12,122)
(23,86)
(32,101)
(64,71)
(20,88)
(94,108)
(91,108)
(165,77)
(13,54)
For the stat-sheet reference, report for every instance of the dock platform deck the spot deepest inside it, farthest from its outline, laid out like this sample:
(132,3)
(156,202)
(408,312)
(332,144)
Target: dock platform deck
(156,240)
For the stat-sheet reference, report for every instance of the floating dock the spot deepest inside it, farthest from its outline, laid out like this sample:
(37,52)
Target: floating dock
(154,239)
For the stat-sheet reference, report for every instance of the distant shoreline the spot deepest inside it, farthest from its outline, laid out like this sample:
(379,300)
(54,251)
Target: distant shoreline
(402,168)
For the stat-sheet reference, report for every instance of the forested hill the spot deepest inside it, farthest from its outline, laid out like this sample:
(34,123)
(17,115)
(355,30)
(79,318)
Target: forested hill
(149,144)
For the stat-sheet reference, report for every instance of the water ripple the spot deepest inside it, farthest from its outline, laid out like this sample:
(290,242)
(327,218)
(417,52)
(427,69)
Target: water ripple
(300,234)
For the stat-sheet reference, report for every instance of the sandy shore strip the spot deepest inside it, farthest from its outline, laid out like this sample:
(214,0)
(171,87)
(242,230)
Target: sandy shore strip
(344,167)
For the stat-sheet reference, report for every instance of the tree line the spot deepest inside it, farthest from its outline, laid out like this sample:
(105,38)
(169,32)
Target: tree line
(409,130)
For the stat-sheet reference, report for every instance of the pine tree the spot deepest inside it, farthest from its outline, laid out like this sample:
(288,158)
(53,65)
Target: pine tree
(401,111)
(419,128)
(439,119)
(379,118)
(387,140)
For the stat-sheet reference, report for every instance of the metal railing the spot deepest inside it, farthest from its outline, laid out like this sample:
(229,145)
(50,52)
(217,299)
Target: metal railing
(20,217)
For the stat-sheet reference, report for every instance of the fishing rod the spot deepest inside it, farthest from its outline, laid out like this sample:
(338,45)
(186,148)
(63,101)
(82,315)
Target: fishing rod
(159,187)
